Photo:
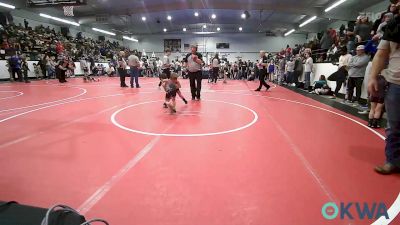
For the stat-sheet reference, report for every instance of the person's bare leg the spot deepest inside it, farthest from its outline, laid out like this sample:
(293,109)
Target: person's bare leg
(371,114)
(378,111)
(372,111)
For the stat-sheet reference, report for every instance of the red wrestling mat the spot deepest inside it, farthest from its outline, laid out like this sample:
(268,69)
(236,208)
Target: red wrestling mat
(236,157)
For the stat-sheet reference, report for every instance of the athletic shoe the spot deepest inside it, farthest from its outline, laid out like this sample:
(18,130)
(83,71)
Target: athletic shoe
(27,81)
(387,169)
(185,101)
(363,112)
(165,105)
(268,88)
(137,86)
(198,99)
(193,98)
(257,89)
(171,108)
(369,123)
(332,97)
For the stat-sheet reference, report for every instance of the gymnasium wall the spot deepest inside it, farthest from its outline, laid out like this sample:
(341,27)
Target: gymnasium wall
(241,44)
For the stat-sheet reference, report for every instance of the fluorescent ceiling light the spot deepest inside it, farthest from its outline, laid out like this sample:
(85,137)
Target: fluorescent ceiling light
(308,21)
(7,5)
(59,19)
(204,32)
(184,29)
(130,39)
(196,14)
(240,28)
(144,18)
(165,29)
(103,31)
(213,16)
(169,18)
(243,16)
(204,26)
(218,29)
(334,5)
(289,32)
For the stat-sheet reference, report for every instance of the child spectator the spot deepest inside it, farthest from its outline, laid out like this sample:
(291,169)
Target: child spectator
(377,103)
(271,71)
(37,70)
(321,86)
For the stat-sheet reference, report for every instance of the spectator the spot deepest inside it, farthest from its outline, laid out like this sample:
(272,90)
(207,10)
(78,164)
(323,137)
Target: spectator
(26,24)
(388,50)
(331,53)
(308,68)
(380,31)
(290,71)
(363,30)
(134,64)
(298,69)
(61,70)
(326,41)
(340,76)
(393,9)
(15,65)
(25,69)
(37,70)
(357,67)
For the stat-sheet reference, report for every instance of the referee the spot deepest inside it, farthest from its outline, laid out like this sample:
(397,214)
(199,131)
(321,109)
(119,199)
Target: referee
(262,68)
(194,61)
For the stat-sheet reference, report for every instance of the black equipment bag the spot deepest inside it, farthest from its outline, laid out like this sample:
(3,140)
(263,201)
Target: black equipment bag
(12,213)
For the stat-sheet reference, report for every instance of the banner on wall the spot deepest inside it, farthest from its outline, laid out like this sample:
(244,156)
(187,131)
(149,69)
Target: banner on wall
(173,44)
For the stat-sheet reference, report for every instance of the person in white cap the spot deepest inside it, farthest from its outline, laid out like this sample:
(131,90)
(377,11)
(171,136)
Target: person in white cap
(357,67)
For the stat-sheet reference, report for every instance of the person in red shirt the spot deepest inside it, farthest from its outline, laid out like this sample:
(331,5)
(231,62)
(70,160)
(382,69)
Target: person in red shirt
(288,50)
(59,47)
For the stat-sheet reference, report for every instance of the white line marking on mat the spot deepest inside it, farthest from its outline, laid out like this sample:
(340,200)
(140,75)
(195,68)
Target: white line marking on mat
(63,103)
(99,194)
(19,140)
(18,94)
(84,91)
(394,209)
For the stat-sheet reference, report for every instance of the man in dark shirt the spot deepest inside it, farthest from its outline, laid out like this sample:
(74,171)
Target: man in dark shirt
(194,61)
(262,68)
(61,69)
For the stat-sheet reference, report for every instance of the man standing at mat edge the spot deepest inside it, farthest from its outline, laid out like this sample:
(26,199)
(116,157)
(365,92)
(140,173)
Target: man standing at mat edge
(166,65)
(194,61)
(122,68)
(134,64)
(262,68)
(389,50)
